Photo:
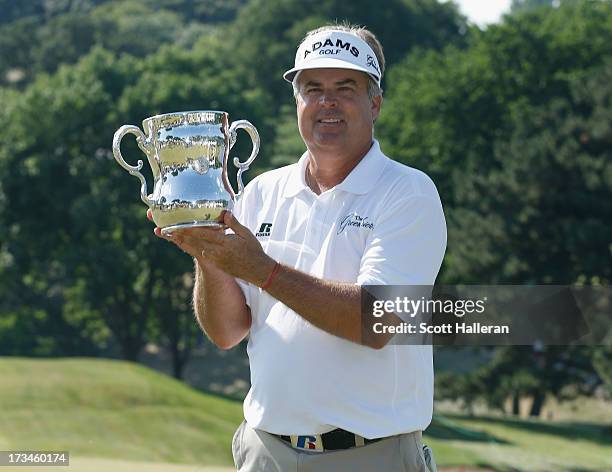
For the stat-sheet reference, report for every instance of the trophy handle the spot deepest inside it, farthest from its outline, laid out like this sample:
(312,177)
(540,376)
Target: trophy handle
(141,140)
(243,166)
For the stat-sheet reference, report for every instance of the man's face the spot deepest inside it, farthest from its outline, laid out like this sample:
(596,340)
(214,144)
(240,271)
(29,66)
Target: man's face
(334,111)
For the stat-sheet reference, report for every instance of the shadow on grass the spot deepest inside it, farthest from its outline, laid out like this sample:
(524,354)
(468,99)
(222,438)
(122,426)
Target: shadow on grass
(486,467)
(597,433)
(442,427)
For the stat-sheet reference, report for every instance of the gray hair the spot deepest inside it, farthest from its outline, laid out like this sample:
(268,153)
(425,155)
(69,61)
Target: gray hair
(373,88)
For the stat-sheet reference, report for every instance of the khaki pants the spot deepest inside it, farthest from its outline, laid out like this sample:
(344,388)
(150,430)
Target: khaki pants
(258,451)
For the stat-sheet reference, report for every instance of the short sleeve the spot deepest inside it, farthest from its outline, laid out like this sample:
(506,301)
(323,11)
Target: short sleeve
(238,212)
(407,244)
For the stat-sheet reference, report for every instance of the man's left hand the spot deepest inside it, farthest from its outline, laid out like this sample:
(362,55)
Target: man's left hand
(239,254)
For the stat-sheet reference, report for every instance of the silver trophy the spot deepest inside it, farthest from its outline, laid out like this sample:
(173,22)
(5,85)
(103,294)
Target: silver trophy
(188,153)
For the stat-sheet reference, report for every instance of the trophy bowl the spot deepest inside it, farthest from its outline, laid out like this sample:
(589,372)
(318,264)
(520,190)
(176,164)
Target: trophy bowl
(188,153)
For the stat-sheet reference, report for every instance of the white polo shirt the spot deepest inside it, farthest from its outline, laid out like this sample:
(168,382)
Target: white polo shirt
(383,224)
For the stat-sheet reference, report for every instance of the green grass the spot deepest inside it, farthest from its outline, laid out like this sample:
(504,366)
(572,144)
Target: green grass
(507,444)
(111,409)
(119,416)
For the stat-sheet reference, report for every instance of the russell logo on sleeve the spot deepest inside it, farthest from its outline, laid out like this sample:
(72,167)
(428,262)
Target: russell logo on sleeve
(264,230)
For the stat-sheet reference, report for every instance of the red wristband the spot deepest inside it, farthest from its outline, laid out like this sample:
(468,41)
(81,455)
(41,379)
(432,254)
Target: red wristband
(272,276)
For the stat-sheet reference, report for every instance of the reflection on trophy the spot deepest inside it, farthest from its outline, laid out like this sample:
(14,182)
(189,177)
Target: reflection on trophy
(188,153)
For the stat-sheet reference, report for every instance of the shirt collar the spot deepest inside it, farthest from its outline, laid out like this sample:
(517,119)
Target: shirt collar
(360,180)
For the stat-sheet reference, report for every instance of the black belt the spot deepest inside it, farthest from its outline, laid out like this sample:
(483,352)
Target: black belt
(336,439)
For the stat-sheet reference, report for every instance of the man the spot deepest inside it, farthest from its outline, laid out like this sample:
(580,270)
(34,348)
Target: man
(305,239)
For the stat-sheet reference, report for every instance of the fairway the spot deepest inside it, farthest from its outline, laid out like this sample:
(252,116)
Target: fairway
(507,444)
(112,409)
(120,416)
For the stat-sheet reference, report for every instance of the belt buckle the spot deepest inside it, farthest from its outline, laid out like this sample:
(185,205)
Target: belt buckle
(311,442)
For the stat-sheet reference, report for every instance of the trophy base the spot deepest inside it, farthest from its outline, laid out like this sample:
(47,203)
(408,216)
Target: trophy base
(196,224)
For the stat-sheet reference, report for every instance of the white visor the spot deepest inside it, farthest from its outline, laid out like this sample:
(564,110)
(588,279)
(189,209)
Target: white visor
(334,49)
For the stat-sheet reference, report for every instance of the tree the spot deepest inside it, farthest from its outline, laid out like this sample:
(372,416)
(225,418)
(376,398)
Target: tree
(204,11)
(454,115)
(67,30)
(56,129)
(546,236)
(265,34)
(602,360)
(91,260)
(524,5)
(11,11)
(515,131)
(176,326)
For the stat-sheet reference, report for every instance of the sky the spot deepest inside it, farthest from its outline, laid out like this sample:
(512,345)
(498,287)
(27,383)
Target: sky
(483,12)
